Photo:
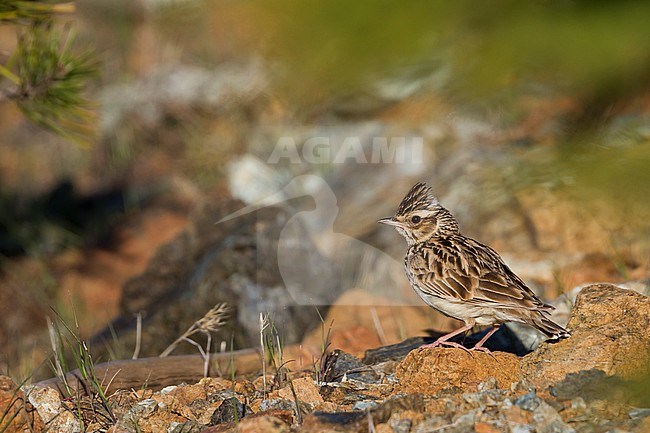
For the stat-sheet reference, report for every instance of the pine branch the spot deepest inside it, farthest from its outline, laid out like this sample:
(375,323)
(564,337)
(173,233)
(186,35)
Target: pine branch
(46,77)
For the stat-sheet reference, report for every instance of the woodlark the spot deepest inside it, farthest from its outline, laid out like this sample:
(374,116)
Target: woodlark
(460,277)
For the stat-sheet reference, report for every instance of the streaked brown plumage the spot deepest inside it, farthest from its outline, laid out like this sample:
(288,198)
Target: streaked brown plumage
(461,277)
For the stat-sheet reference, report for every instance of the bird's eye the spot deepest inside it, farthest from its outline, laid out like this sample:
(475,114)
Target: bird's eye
(415,219)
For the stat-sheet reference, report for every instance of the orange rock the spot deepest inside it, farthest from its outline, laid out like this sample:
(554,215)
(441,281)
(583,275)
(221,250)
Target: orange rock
(179,400)
(306,391)
(96,277)
(16,414)
(384,428)
(361,321)
(561,224)
(644,425)
(516,415)
(327,406)
(609,332)
(254,424)
(262,424)
(317,424)
(243,387)
(483,427)
(430,371)
(592,267)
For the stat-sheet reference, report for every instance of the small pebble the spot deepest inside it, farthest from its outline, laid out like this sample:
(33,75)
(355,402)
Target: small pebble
(363,405)
(637,413)
(528,402)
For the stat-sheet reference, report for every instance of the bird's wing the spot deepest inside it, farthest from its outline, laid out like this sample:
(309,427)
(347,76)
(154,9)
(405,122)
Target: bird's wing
(470,272)
(436,272)
(498,283)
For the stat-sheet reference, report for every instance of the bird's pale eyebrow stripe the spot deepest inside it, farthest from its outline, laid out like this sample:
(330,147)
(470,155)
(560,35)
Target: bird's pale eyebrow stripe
(422,214)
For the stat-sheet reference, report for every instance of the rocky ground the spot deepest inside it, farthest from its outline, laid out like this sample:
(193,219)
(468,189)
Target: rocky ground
(594,381)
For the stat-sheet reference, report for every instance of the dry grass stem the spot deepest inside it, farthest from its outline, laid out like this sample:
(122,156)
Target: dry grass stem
(211,322)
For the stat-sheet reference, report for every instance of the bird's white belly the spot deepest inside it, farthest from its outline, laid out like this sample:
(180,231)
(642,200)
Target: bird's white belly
(463,310)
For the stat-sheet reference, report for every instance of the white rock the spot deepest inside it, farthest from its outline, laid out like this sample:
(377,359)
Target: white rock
(57,418)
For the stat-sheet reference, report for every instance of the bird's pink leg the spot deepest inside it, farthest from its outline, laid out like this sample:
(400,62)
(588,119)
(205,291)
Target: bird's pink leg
(479,345)
(442,341)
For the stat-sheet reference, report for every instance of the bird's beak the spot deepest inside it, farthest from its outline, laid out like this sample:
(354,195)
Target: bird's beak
(391,221)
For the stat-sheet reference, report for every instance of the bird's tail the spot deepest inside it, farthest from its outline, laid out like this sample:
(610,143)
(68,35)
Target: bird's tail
(551,329)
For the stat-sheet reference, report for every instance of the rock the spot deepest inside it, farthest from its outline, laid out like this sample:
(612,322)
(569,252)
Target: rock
(149,416)
(263,424)
(546,419)
(186,427)
(47,403)
(485,427)
(306,390)
(355,329)
(350,393)
(340,365)
(517,419)
(274,404)
(332,422)
(16,414)
(364,405)
(432,371)
(230,410)
(506,339)
(528,402)
(132,420)
(154,412)
(461,424)
(357,420)
(400,425)
(392,352)
(643,426)
(143,408)
(227,88)
(235,262)
(609,332)
(195,402)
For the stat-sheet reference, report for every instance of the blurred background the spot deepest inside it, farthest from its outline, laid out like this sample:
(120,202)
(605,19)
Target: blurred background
(129,128)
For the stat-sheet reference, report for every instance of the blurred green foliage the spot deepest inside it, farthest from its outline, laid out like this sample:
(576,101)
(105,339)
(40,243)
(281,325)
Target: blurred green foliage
(52,81)
(14,10)
(45,75)
(593,47)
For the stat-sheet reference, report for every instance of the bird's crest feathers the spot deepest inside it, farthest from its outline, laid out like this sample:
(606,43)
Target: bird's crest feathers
(420,197)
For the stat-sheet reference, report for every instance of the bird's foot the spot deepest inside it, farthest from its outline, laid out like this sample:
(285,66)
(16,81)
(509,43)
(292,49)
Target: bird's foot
(484,350)
(441,343)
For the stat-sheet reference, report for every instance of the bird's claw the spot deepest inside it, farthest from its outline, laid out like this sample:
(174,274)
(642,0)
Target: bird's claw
(445,343)
(484,350)
(458,346)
